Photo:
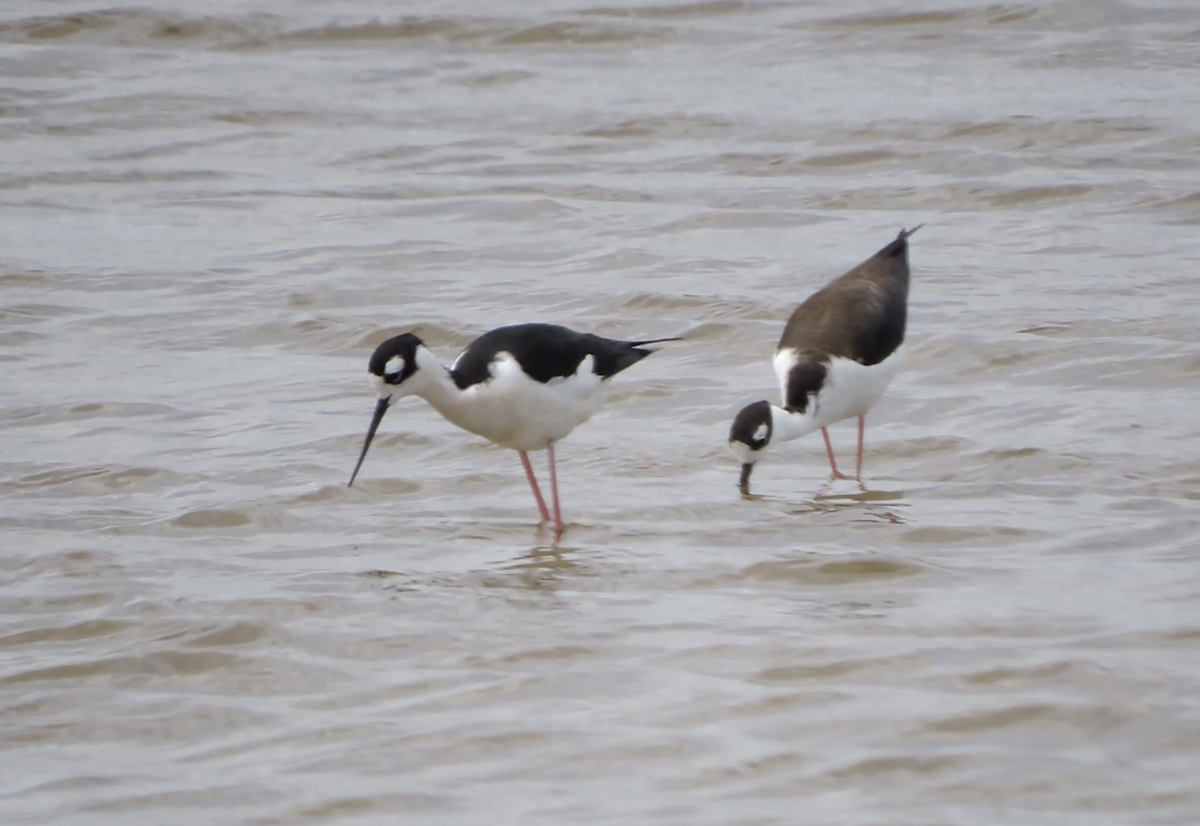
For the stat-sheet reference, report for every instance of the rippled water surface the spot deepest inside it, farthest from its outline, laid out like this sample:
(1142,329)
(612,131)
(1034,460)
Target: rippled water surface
(212,212)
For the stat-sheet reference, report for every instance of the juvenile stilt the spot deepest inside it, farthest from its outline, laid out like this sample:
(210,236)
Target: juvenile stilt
(838,353)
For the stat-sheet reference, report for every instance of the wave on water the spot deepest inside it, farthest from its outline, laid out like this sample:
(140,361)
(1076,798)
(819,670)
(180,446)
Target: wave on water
(160,29)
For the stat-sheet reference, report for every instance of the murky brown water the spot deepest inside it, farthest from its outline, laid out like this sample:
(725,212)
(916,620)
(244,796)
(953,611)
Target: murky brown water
(210,217)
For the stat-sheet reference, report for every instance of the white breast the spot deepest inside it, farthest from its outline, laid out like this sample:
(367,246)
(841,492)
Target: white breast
(850,389)
(515,411)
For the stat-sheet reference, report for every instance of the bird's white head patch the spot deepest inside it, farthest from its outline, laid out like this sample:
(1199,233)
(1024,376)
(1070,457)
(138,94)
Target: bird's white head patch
(394,366)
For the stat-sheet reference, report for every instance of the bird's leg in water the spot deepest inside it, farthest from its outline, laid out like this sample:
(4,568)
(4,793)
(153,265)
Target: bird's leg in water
(558,520)
(837,474)
(862,426)
(533,485)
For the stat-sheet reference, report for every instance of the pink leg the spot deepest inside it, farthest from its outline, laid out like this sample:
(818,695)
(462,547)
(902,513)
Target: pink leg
(837,474)
(862,426)
(558,520)
(537,493)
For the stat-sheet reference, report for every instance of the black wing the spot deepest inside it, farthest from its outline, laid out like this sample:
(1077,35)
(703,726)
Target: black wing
(545,352)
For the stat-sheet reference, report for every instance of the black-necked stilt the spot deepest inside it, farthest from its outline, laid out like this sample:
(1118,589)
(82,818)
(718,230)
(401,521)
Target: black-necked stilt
(525,387)
(838,353)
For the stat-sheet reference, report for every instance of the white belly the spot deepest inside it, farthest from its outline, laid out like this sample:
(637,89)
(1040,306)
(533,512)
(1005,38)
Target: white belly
(851,389)
(517,412)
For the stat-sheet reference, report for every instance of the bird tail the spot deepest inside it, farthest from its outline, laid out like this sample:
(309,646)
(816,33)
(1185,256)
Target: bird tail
(651,341)
(900,244)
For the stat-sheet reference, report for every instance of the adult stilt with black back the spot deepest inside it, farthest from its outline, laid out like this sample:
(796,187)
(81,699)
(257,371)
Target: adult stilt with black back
(525,387)
(838,353)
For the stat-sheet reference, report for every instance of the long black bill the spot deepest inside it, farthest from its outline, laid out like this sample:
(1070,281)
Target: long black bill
(744,479)
(380,408)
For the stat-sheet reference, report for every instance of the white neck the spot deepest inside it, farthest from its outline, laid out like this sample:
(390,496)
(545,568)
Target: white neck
(433,384)
(787,425)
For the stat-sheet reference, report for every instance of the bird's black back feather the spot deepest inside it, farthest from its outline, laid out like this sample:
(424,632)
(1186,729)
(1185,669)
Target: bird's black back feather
(545,352)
